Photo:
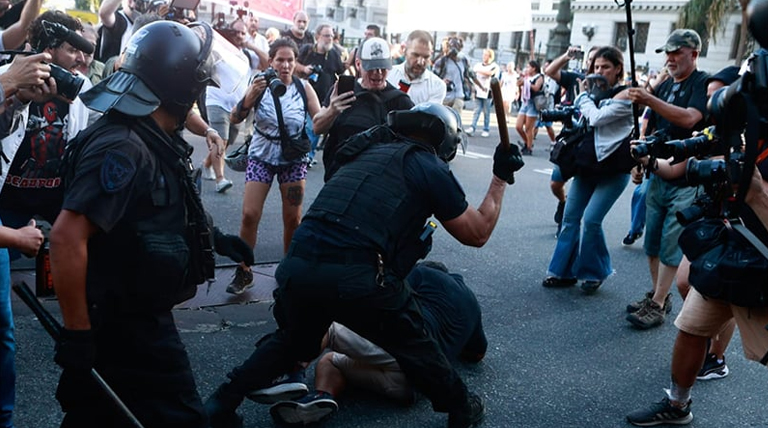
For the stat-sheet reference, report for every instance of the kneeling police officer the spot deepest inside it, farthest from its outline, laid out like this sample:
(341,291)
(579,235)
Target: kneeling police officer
(356,243)
(132,239)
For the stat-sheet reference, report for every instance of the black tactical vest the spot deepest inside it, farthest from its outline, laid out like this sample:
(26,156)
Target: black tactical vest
(368,196)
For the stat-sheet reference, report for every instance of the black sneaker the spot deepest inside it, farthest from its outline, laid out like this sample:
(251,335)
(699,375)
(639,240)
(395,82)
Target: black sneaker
(559,212)
(661,413)
(526,151)
(313,408)
(469,415)
(590,287)
(631,238)
(555,282)
(286,387)
(712,369)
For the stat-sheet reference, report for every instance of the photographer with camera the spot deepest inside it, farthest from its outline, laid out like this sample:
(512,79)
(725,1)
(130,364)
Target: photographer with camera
(706,316)
(453,67)
(47,120)
(281,102)
(601,175)
(678,108)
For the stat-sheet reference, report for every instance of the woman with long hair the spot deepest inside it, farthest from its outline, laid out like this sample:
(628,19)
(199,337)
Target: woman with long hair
(581,252)
(531,83)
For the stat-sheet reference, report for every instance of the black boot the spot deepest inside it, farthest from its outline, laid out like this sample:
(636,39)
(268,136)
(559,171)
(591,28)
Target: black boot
(468,415)
(221,408)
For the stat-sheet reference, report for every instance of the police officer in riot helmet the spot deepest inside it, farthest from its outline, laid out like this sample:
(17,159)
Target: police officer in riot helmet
(132,239)
(355,245)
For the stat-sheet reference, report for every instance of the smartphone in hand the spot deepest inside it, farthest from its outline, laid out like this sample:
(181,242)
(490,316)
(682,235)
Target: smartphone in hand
(346,84)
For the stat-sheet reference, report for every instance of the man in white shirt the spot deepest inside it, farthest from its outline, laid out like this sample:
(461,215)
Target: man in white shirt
(412,76)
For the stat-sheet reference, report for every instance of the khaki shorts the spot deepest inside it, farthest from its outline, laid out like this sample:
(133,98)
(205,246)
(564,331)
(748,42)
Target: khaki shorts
(367,366)
(707,317)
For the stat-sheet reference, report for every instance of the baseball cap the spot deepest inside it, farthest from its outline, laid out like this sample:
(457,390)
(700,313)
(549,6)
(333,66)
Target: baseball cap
(728,75)
(681,38)
(374,54)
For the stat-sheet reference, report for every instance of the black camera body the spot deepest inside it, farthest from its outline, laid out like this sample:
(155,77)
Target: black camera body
(273,81)
(654,146)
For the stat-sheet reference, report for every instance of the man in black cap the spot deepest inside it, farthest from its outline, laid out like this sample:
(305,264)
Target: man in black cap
(132,238)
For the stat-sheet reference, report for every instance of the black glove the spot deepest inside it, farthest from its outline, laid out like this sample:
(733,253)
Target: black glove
(233,247)
(76,350)
(506,162)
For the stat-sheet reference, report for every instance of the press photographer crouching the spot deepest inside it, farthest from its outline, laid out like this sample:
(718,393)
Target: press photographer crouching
(729,261)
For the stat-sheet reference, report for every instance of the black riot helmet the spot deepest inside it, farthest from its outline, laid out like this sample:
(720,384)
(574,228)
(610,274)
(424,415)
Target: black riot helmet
(436,124)
(165,63)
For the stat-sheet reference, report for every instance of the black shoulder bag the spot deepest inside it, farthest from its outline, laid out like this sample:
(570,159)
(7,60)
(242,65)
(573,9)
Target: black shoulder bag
(292,148)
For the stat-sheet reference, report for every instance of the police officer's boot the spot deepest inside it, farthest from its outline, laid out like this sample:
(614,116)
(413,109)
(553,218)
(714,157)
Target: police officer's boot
(221,408)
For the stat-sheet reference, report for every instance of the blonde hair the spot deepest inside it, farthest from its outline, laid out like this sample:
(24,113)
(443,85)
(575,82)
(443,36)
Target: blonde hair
(491,54)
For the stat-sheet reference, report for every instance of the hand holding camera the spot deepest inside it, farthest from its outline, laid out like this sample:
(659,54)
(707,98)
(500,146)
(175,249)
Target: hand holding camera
(26,72)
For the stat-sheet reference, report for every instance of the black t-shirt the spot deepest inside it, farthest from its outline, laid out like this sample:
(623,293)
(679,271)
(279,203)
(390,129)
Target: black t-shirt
(691,92)
(450,309)
(33,185)
(367,111)
(433,191)
(308,39)
(332,68)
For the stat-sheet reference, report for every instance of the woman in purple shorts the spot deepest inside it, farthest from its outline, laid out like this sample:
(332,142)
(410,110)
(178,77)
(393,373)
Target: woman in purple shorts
(265,157)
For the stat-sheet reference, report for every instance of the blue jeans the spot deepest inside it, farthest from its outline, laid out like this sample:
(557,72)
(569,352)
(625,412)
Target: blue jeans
(585,255)
(484,105)
(7,344)
(637,206)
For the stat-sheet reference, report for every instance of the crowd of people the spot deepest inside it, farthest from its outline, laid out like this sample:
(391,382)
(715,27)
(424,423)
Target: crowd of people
(102,158)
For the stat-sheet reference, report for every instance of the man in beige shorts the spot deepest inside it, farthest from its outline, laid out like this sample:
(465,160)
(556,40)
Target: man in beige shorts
(704,317)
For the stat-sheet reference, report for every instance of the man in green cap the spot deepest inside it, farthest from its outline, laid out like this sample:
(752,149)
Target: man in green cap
(678,107)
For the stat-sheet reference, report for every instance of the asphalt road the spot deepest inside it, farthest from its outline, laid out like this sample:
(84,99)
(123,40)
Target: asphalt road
(557,358)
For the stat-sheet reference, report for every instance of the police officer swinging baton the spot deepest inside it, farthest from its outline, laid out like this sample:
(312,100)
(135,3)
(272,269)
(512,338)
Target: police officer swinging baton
(501,118)
(52,326)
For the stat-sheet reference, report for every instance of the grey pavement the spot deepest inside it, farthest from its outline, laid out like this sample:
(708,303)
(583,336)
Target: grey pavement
(557,358)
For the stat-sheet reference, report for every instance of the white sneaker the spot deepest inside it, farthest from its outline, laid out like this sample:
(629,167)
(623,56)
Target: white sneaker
(207,173)
(469,130)
(223,185)
(485,134)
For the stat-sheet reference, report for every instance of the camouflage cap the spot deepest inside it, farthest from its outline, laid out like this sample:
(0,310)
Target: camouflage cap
(681,38)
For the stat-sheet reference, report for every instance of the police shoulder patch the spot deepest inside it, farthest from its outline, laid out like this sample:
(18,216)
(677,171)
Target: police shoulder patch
(117,171)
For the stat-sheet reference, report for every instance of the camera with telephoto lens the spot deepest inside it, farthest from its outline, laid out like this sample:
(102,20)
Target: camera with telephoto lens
(276,86)
(741,108)
(654,146)
(68,84)
(562,114)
